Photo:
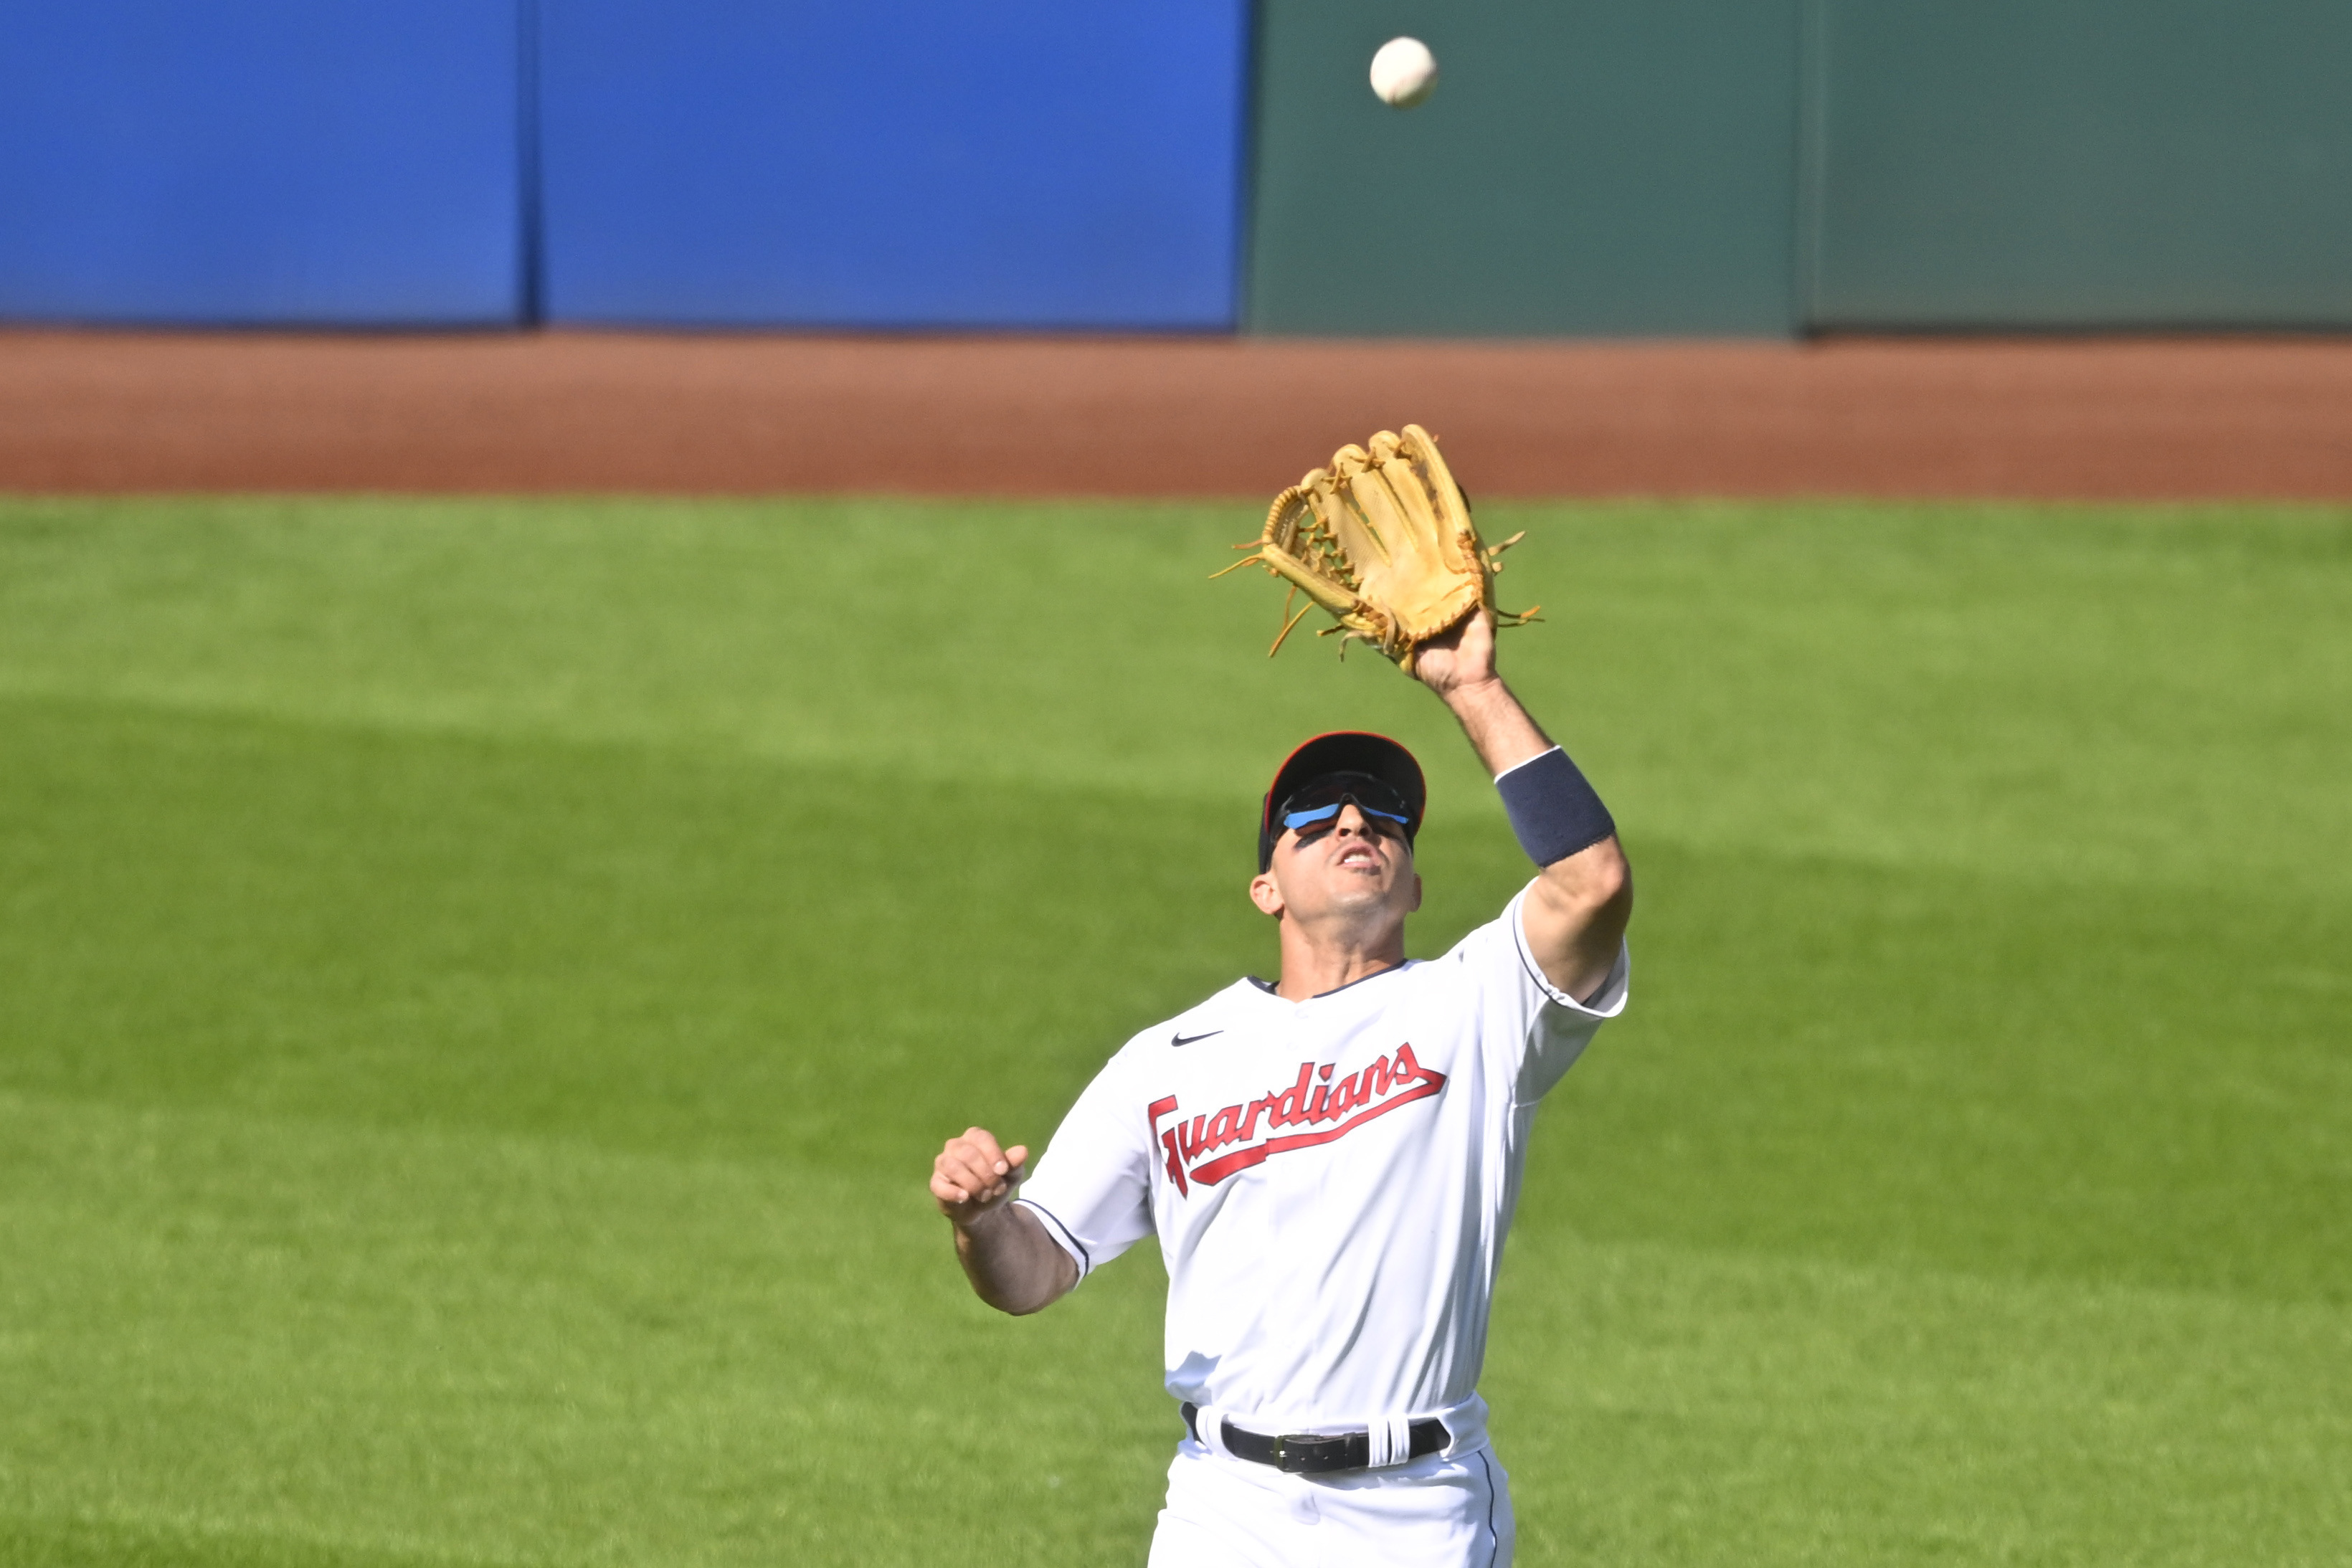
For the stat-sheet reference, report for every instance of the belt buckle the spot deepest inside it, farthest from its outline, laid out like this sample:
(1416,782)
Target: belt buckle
(1297,1454)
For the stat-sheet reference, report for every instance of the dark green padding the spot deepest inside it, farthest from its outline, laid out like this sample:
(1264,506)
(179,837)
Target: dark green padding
(1582,169)
(2082,163)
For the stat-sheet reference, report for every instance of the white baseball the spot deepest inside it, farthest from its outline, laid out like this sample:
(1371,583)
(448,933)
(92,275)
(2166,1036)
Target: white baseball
(1403,72)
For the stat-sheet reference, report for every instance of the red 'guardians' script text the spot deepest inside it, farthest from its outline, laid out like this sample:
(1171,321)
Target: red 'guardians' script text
(1338,1108)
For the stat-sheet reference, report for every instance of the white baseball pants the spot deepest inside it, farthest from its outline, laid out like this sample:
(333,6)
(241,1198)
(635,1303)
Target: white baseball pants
(1434,1513)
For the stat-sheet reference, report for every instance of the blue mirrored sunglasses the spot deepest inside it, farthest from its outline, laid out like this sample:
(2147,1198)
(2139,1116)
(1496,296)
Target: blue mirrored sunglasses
(1296,820)
(1320,803)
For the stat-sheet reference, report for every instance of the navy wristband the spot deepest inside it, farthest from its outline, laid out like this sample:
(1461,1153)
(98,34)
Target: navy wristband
(1553,810)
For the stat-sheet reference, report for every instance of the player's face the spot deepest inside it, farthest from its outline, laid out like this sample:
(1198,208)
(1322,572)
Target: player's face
(1355,865)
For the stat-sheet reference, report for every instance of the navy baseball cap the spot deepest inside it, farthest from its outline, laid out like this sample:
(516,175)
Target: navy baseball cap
(1342,751)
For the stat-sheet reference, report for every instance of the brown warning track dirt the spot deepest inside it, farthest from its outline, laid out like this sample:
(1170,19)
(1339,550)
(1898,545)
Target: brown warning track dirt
(102,411)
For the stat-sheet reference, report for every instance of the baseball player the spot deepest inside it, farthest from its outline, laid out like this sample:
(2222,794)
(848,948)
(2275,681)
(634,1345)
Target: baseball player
(1330,1162)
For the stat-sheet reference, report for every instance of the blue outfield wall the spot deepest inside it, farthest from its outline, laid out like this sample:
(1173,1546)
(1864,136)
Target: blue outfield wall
(893,163)
(291,161)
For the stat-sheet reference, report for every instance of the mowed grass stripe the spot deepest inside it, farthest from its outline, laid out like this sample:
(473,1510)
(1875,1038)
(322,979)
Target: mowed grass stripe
(652,950)
(723,956)
(536,1351)
(93,1541)
(2140,693)
(1700,1408)
(483,980)
(430,1344)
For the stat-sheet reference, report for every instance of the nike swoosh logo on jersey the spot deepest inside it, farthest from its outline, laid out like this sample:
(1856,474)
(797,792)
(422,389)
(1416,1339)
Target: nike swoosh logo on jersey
(1189,1039)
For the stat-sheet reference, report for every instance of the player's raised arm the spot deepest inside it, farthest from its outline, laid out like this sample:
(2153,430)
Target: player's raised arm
(1012,1264)
(1576,914)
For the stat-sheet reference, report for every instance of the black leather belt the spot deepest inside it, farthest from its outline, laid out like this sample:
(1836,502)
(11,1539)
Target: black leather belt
(1315,1456)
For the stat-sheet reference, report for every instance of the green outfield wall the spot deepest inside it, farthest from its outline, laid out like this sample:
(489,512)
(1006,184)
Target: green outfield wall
(2079,162)
(1582,168)
(1768,166)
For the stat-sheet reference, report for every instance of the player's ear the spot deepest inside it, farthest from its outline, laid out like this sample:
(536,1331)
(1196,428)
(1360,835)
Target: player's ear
(1267,894)
(1415,907)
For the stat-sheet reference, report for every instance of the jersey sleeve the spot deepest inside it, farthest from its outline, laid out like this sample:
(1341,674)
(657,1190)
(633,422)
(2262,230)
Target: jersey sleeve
(1532,1029)
(1092,1189)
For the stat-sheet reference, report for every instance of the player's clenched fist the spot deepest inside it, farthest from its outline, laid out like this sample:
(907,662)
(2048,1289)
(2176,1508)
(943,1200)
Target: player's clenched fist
(973,1174)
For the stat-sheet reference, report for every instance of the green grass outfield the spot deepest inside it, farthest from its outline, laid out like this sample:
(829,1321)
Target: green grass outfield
(481,982)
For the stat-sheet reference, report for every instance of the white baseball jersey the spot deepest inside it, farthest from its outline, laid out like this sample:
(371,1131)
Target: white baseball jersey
(1330,1180)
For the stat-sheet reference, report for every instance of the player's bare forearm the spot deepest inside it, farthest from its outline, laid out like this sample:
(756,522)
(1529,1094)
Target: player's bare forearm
(1012,1264)
(1576,914)
(1501,732)
(1460,668)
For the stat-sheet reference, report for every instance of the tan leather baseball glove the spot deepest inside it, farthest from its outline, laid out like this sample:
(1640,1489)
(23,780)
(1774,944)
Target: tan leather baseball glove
(1383,540)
